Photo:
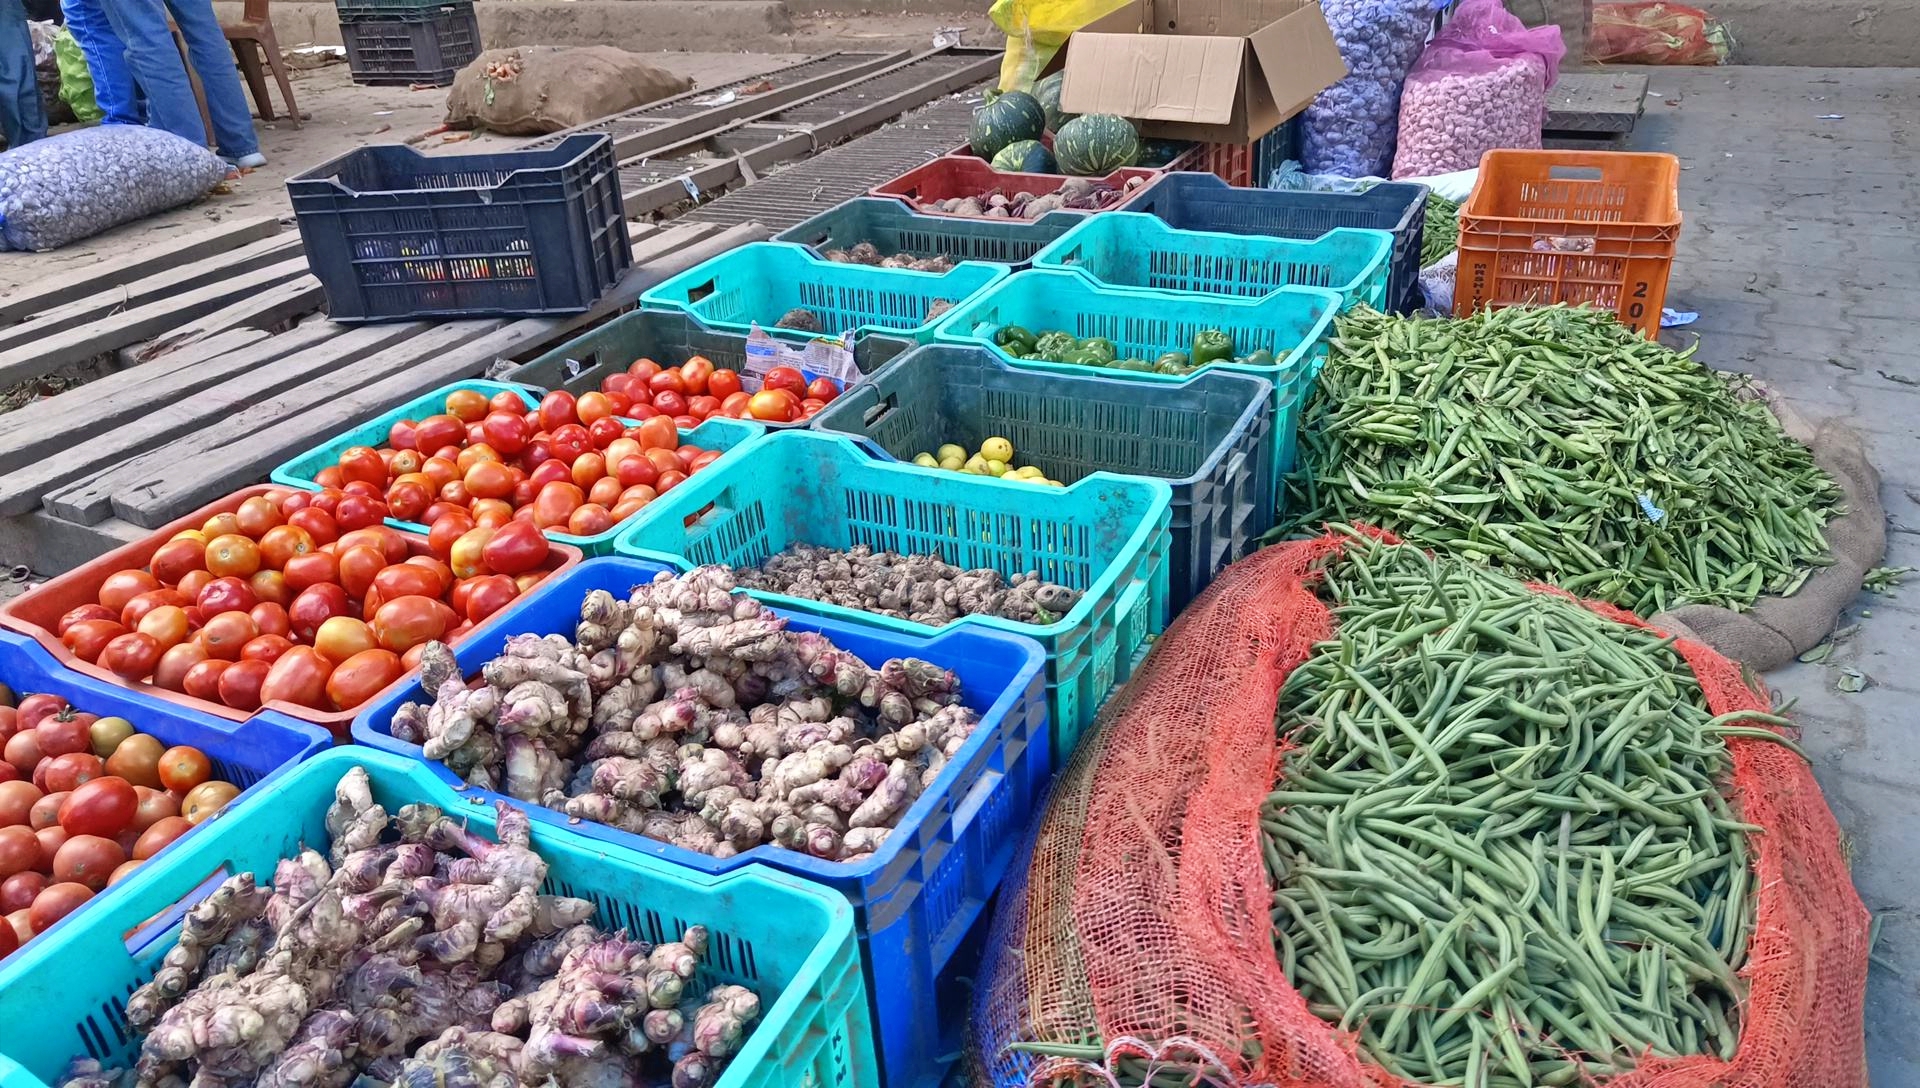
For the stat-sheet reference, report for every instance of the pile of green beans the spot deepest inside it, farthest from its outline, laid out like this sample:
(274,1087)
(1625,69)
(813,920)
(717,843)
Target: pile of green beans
(1557,444)
(1500,851)
(1442,231)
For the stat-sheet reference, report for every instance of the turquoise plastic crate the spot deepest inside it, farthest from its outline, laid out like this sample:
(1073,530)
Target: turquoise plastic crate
(719,433)
(761,282)
(918,897)
(1107,535)
(793,944)
(1292,322)
(1127,249)
(1206,437)
(892,227)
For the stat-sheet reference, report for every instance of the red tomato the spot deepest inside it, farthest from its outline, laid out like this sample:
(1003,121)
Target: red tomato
(85,612)
(357,512)
(555,503)
(643,368)
(58,901)
(403,435)
(203,680)
(466,404)
(299,677)
(636,470)
(270,586)
(666,381)
(358,565)
(569,442)
(138,608)
(283,542)
(238,683)
(549,471)
(311,570)
(494,513)
(438,431)
(445,531)
(507,400)
(363,463)
(52,837)
(617,382)
(16,801)
(487,480)
(23,753)
(178,558)
(485,596)
(315,606)
(605,491)
(592,406)
(670,403)
(131,656)
(100,806)
(17,892)
(318,524)
(590,467)
(467,556)
(669,480)
(233,554)
(664,460)
(703,460)
(158,837)
(507,432)
(822,389)
(389,542)
(723,384)
(686,454)
(770,404)
(657,433)
(171,671)
(65,772)
(267,648)
(227,634)
(194,582)
(788,378)
(408,499)
(604,432)
(405,622)
(735,403)
(46,812)
(557,409)
(695,373)
(270,618)
(702,407)
(590,519)
(89,637)
(642,411)
(19,850)
(621,402)
(407,579)
(361,677)
(226,595)
(87,860)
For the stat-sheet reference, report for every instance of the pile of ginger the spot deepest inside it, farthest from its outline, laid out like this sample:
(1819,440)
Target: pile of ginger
(691,714)
(418,954)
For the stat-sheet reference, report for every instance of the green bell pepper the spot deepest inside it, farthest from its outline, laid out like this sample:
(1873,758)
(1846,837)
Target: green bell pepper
(1137,365)
(1100,346)
(1173,362)
(1263,357)
(1211,346)
(1054,346)
(1016,340)
(1085,356)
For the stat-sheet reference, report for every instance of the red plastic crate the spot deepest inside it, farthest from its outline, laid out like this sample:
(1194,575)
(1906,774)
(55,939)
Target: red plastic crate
(37,613)
(965,175)
(1593,228)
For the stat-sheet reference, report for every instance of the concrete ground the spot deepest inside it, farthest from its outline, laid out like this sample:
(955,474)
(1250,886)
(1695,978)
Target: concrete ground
(341,116)
(1801,252)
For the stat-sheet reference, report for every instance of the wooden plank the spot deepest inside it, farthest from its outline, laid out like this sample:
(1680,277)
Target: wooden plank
(21,489)
(77,345)
(45,426)
(80,283)
(274,306)
(153,288)
(153,489)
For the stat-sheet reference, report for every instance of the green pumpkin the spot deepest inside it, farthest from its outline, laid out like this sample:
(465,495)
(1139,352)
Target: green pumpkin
(1025,157)
(1005,119)
(1161,152)
(1096,144)
(1047,93)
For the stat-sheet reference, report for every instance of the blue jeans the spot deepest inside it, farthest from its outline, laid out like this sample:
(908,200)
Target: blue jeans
(142,24)
(23,117)
(106,61)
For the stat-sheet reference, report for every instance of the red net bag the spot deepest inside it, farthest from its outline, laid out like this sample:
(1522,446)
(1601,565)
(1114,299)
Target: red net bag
(1654,32)
(1141,942)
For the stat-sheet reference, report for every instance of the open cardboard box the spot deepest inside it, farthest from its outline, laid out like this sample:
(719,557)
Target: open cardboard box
(1225,71)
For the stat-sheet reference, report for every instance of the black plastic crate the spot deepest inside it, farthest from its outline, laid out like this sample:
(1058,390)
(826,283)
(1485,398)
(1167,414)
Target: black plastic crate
(892,227)
(427,47)
(356,11)
(393,234)
(1187,201)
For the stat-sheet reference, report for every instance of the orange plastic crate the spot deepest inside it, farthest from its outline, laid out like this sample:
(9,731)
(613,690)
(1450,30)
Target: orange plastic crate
(1580,227)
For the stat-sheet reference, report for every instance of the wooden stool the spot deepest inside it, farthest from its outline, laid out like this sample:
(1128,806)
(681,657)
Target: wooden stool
(250,37)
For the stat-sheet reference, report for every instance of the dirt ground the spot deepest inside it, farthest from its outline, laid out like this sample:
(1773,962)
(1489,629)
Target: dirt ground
(340,116)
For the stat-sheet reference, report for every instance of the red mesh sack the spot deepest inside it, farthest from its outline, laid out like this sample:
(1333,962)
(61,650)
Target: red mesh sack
(1654,32)
(1141,942)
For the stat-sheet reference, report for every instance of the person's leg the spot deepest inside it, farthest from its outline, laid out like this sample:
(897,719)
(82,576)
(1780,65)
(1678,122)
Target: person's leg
(156,64)
(106,61)
(23,117)
(219,77)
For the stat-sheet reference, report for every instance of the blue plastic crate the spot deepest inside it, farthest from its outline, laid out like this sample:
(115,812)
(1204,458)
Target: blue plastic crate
(921,893)
(253,755)
(1107,536)
(761,282)
(1292,323)
(668,337)
(393,234)
(793,944)
(892,227)
(1127,249)
(1207,437)
(719,433)
(1190,201)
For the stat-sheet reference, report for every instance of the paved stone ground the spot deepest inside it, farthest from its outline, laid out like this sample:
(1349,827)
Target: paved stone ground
(1801,252)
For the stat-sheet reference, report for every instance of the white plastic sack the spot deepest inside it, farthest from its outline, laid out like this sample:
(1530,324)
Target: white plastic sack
(1481,85)
(1436,282)
(1350,128)
(77,184)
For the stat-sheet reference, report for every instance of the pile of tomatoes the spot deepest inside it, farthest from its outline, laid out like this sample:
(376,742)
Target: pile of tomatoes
(83,801)
(566,465)
(298,597)
(695,391)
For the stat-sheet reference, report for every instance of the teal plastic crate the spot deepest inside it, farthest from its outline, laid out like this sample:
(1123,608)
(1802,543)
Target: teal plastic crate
(727,435)
(1292,322)
(792,943)
(1107,535)
(1127,249)
(892,227)
(761,282)
(1207,437)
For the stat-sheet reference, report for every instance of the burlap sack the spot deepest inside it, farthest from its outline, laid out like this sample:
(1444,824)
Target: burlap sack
(1778,629)
(534,89)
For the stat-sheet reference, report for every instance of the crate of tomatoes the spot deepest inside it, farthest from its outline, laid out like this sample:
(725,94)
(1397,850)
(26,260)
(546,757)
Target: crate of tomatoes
(475,454)
(300,602)
(95,780)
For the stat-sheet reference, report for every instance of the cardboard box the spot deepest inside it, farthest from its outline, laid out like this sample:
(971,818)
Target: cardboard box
(1211,70)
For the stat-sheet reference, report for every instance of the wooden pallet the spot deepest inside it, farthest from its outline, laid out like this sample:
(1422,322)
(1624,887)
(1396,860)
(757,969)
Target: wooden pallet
(228,369)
